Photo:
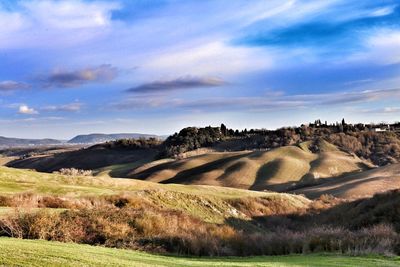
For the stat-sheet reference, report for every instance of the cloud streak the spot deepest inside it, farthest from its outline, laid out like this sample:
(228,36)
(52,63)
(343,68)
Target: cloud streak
(342,29)
(261,103)
(72,107)
(177,84)
(12,86)
(63,78)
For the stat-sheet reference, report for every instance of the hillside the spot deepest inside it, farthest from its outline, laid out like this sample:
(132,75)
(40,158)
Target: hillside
(17,252)
(185,219)
(19,142)
(379,144)
(278,169)
(86,158)
(357,185)
(206,202)
(102,138)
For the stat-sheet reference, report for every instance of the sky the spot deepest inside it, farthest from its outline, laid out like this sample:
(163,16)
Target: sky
(81,66)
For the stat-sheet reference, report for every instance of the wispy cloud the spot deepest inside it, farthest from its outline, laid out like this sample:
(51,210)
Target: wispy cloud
(322,54)
(72,14)
(65,78)
(385,110)
(12,86)
(339,29)
(54,21)
(208,58)
(177,84)
(28,110)
(261,103)
(72,107)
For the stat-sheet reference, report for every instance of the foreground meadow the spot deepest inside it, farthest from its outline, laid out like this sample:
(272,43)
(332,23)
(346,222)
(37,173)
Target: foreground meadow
(185,220)
(17,252)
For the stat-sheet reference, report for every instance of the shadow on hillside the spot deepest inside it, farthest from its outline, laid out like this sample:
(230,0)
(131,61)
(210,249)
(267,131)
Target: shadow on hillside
(189,175)
(383,208)
(86,159)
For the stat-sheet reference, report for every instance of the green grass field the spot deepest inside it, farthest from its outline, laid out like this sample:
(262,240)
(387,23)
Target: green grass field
(17,252)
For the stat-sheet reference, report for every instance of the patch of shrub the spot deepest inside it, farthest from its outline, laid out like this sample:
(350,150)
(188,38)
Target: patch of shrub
(264,206)
(74,172)
(129,221)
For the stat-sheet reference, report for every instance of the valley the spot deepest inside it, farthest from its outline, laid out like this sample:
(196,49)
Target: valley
(204,202)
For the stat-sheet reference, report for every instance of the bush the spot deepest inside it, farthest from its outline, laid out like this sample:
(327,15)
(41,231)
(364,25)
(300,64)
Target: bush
(129,221)
(74,172)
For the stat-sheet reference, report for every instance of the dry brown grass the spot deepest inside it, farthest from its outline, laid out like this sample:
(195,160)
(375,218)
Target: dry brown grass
(130,222)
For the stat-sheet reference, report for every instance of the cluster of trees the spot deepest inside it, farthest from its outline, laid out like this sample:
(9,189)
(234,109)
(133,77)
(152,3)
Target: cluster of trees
(380,147)
(132,143)
(191,138)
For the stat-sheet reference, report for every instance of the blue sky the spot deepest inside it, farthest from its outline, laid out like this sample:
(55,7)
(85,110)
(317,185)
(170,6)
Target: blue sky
(80,66)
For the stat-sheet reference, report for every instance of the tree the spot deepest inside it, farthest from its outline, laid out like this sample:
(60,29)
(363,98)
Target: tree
(224,130)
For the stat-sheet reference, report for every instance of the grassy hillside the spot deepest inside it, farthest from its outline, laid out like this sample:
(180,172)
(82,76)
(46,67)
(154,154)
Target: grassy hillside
(278,169)
(205,202)
(358,185)
(183,219)
(17,252)
(88,159)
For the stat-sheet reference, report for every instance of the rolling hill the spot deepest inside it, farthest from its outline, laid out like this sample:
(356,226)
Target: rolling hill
(19,142)
(97,138)
(92,158)
(311,168)
(112,208)
(208,203)
(358,185)
(279,169)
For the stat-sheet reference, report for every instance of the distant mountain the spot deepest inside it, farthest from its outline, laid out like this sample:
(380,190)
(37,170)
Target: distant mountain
(101,138)
(17,142)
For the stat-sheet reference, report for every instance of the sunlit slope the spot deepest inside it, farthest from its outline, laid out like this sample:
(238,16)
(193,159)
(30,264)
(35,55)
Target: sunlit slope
(358,185)
(208,203)
(278,169)
(20,181)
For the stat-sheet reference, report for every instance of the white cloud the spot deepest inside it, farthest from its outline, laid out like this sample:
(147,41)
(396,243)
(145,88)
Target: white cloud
(13,20)
(72,14)
(381,47)
(24,109)
(383,11)
(385,46)
(54,23)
